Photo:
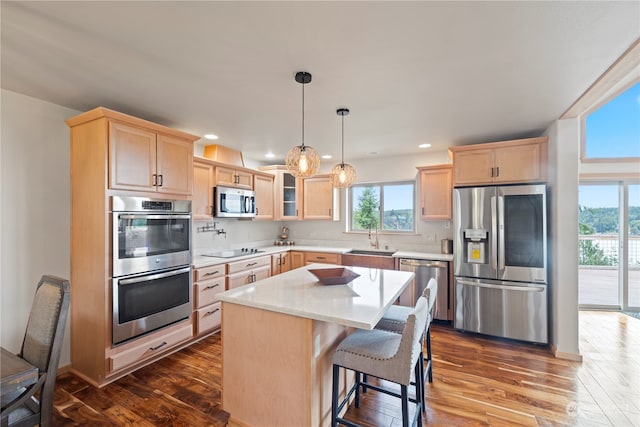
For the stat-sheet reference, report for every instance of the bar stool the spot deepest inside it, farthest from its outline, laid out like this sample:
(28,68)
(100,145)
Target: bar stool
(396,316)
(386,355)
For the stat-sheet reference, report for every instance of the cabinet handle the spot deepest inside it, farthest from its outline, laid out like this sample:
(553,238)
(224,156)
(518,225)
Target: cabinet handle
(155,179)
(321,257)
(498,171)
(161,180)
(212,286)
(251,264)
(211,274)
(257,211)
(162,344)
(209,313)
(423,211)
(492,173)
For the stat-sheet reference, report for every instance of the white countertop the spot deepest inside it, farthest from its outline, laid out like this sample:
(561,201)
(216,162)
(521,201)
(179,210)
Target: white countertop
(202,261)
(359,304)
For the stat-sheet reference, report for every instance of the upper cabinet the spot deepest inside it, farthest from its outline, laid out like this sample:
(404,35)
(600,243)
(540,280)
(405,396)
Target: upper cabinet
(517,161)
(234,177)
(288,193)
(436,186)
(141,159)
(203,182)
(263,187)
(320,199)
(296,198)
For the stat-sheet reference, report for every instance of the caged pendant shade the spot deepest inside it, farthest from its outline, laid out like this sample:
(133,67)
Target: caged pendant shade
(343,174)
(302,160)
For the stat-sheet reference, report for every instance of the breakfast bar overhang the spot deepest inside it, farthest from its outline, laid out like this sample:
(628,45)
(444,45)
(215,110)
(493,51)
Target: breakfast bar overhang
(278,339)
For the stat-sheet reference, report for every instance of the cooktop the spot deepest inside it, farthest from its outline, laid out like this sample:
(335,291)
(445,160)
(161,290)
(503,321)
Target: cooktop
(232,253)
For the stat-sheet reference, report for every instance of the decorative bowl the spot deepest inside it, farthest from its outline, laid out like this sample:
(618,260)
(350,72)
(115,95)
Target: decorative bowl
(334,276)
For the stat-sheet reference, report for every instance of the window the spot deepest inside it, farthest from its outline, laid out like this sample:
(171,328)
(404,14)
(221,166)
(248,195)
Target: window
(612,131)
(394,201)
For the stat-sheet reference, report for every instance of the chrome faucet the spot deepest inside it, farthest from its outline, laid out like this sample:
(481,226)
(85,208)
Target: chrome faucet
(374,242)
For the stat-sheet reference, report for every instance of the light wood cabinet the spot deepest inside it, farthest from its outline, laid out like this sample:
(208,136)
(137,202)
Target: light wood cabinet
(143,160)
(203,182)
(240,273)
(288,193)
(280,263)
(234,177)
(263,187)
(321,257)
(507,162)
(297,259)
(209,281)
(116,154)
(320,199)
(436,187)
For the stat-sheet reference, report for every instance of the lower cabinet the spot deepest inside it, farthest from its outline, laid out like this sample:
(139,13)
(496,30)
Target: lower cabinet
(208,282)
(297,259)
(280,263)
(321,257)
(247,271)
(147,347)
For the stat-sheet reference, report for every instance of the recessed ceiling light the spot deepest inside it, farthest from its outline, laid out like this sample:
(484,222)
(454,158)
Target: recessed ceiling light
(424,145)
(327,156)
(269,155)
(373,153)
(210,136)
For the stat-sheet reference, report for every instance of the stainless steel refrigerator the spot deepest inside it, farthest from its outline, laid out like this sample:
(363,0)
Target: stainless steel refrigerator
(500,261)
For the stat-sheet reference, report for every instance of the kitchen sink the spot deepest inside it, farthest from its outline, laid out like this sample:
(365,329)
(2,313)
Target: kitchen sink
(370,252)
(369,258)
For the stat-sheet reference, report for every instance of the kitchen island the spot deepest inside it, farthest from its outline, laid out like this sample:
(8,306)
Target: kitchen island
(278,339)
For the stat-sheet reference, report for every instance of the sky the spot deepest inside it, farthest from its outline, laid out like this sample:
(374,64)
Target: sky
(613,130)
(606,196)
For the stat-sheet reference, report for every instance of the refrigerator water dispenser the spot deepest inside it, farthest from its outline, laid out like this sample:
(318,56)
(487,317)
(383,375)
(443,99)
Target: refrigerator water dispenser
(476,243)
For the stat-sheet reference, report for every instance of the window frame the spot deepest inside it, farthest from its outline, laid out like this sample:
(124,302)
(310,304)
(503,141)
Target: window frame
(583,128)
(381,185)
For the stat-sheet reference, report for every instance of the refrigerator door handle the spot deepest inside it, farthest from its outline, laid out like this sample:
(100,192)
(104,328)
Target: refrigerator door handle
(534,288)
(493,244)
(500,235)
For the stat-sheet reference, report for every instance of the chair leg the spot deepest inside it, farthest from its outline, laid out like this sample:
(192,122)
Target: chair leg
(334,396)
(405,405)
(358,385)
(430,363)
(419,371)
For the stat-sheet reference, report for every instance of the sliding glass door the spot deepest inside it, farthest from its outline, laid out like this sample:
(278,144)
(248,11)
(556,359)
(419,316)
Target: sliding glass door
(609,245)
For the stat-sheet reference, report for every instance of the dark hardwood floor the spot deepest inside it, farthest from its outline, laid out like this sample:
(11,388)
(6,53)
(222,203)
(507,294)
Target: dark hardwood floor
(477,382)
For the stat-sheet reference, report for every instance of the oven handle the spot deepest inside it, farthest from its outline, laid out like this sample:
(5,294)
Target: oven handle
(145,216)
(162,275)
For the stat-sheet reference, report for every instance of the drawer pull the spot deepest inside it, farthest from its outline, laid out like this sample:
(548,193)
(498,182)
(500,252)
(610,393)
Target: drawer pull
(162,344)
(209,313)
(321,257)
(211,274)
(212,286)
(251,264)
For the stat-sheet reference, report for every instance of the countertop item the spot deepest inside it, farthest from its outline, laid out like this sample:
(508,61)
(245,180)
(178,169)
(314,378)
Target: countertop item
(359,304)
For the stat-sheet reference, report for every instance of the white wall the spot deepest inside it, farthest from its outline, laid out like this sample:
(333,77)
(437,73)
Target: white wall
(35,207)
(564,146)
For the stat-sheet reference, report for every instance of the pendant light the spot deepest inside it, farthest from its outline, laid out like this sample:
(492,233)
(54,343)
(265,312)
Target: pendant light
(302,160)
(343,174)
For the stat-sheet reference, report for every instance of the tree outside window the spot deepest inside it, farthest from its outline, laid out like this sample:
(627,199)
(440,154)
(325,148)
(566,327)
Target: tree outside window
(388,207)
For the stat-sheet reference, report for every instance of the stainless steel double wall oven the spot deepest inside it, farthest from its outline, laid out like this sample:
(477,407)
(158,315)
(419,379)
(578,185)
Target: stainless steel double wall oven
(151,264)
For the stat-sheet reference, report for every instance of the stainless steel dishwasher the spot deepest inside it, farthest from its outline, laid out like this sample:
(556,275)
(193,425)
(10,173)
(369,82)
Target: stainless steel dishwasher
(425,270)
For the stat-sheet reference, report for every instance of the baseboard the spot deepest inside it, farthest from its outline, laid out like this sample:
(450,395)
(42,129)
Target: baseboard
(567,356)
(64,369)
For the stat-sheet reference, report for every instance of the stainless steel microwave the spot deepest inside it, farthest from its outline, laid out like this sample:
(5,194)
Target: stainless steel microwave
(233,203)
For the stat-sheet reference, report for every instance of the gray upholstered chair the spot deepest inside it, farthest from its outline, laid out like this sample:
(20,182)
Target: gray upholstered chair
(386,355)
(396,316)
(41,347)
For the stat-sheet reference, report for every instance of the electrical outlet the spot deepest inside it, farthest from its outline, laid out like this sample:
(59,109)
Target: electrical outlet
(447,224)
(431,237)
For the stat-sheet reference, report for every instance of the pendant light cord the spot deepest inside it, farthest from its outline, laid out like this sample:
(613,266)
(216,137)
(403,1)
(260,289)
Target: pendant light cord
(342,160)
(303,115)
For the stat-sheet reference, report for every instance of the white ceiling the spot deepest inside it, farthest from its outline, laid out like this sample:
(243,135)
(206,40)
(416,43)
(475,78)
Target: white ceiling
(444,73)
